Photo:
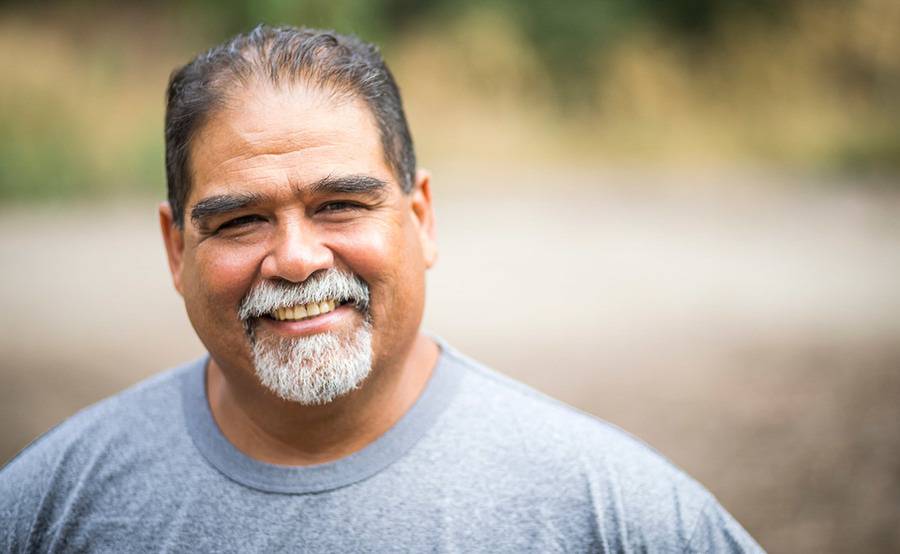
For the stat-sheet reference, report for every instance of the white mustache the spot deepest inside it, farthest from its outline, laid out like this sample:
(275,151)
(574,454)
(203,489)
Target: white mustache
(330,284)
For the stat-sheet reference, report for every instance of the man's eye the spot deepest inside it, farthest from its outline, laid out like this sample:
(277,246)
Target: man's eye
(339,206)
(239,222)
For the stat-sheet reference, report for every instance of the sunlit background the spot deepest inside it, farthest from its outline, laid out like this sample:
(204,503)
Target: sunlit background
(682,216)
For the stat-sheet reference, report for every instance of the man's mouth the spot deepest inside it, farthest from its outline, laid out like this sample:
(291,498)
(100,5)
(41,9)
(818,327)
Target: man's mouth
(304,311)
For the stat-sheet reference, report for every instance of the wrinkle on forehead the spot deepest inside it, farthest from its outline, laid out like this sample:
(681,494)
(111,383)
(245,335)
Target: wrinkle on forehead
(272,135)
(261,97)
(265,106)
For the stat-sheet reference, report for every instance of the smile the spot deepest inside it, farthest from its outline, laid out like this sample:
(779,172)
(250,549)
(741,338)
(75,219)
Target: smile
(304,311)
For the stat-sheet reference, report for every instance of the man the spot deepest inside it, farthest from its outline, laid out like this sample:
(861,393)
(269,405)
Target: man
(298,232)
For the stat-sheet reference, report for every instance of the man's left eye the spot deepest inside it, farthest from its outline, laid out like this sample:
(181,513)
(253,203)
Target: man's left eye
(339,206)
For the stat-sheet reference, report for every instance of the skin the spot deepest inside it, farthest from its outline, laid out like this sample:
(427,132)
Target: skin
(274,145)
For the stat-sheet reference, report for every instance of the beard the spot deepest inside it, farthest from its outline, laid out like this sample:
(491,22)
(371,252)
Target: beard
(315,369)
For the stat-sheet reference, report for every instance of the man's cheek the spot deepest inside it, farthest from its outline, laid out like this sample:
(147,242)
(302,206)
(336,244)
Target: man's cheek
(365,254)
(228,274)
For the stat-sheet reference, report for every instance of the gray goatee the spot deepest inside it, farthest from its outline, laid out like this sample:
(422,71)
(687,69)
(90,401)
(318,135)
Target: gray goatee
(318,368)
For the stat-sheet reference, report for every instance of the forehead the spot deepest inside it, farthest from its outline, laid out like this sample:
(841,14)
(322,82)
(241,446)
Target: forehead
(289,135)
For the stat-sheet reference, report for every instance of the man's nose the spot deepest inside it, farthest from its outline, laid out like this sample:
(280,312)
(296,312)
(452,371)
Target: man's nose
(296,253)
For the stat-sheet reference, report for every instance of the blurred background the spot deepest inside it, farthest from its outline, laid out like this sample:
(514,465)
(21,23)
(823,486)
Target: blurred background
(682,216)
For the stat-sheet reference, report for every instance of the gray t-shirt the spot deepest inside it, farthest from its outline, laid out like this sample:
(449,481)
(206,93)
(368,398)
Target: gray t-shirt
(479,464)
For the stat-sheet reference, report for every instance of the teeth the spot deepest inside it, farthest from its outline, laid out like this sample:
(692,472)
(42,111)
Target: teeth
(303,311)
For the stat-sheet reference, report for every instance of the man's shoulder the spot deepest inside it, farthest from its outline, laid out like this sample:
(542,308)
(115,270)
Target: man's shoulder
(555,451)
(135,418)
(105,455)
(516,411)
(149,405)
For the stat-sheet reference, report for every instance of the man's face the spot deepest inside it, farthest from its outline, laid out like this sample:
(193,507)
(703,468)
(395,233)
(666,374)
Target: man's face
(292,184)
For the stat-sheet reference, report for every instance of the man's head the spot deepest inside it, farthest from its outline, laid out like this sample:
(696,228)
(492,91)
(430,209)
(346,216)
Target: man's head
(281,56)
(297,228)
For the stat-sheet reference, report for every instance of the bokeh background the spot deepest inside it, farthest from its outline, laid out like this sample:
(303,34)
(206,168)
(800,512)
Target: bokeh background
(682,216)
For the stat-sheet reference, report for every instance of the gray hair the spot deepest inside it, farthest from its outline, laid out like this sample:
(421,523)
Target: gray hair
(342,63)
(329,284)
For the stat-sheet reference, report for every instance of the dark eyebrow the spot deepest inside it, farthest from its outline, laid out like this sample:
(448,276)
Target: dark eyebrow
(348,184)
(222,203)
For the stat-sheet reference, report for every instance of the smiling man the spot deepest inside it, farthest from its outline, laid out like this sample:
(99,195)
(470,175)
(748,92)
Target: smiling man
(300,248)
(298,232)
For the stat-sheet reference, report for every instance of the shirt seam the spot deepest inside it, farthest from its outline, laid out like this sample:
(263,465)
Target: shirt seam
(266,485)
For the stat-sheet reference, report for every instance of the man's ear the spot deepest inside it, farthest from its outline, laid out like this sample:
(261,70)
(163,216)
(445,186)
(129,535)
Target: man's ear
(424,216)
(173,237)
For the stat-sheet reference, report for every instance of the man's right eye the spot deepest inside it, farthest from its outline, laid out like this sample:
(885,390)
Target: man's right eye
(239,222)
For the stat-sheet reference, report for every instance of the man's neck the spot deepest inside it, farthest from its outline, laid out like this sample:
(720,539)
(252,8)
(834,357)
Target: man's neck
(277,431)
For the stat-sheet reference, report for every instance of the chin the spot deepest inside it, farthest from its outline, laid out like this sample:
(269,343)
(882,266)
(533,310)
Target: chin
(315,369)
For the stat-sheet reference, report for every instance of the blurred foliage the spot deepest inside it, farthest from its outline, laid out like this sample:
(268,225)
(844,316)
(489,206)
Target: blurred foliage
(809,84)
(566,35)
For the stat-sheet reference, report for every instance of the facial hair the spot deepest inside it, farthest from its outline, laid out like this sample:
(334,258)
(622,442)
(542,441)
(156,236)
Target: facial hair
(314,369)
